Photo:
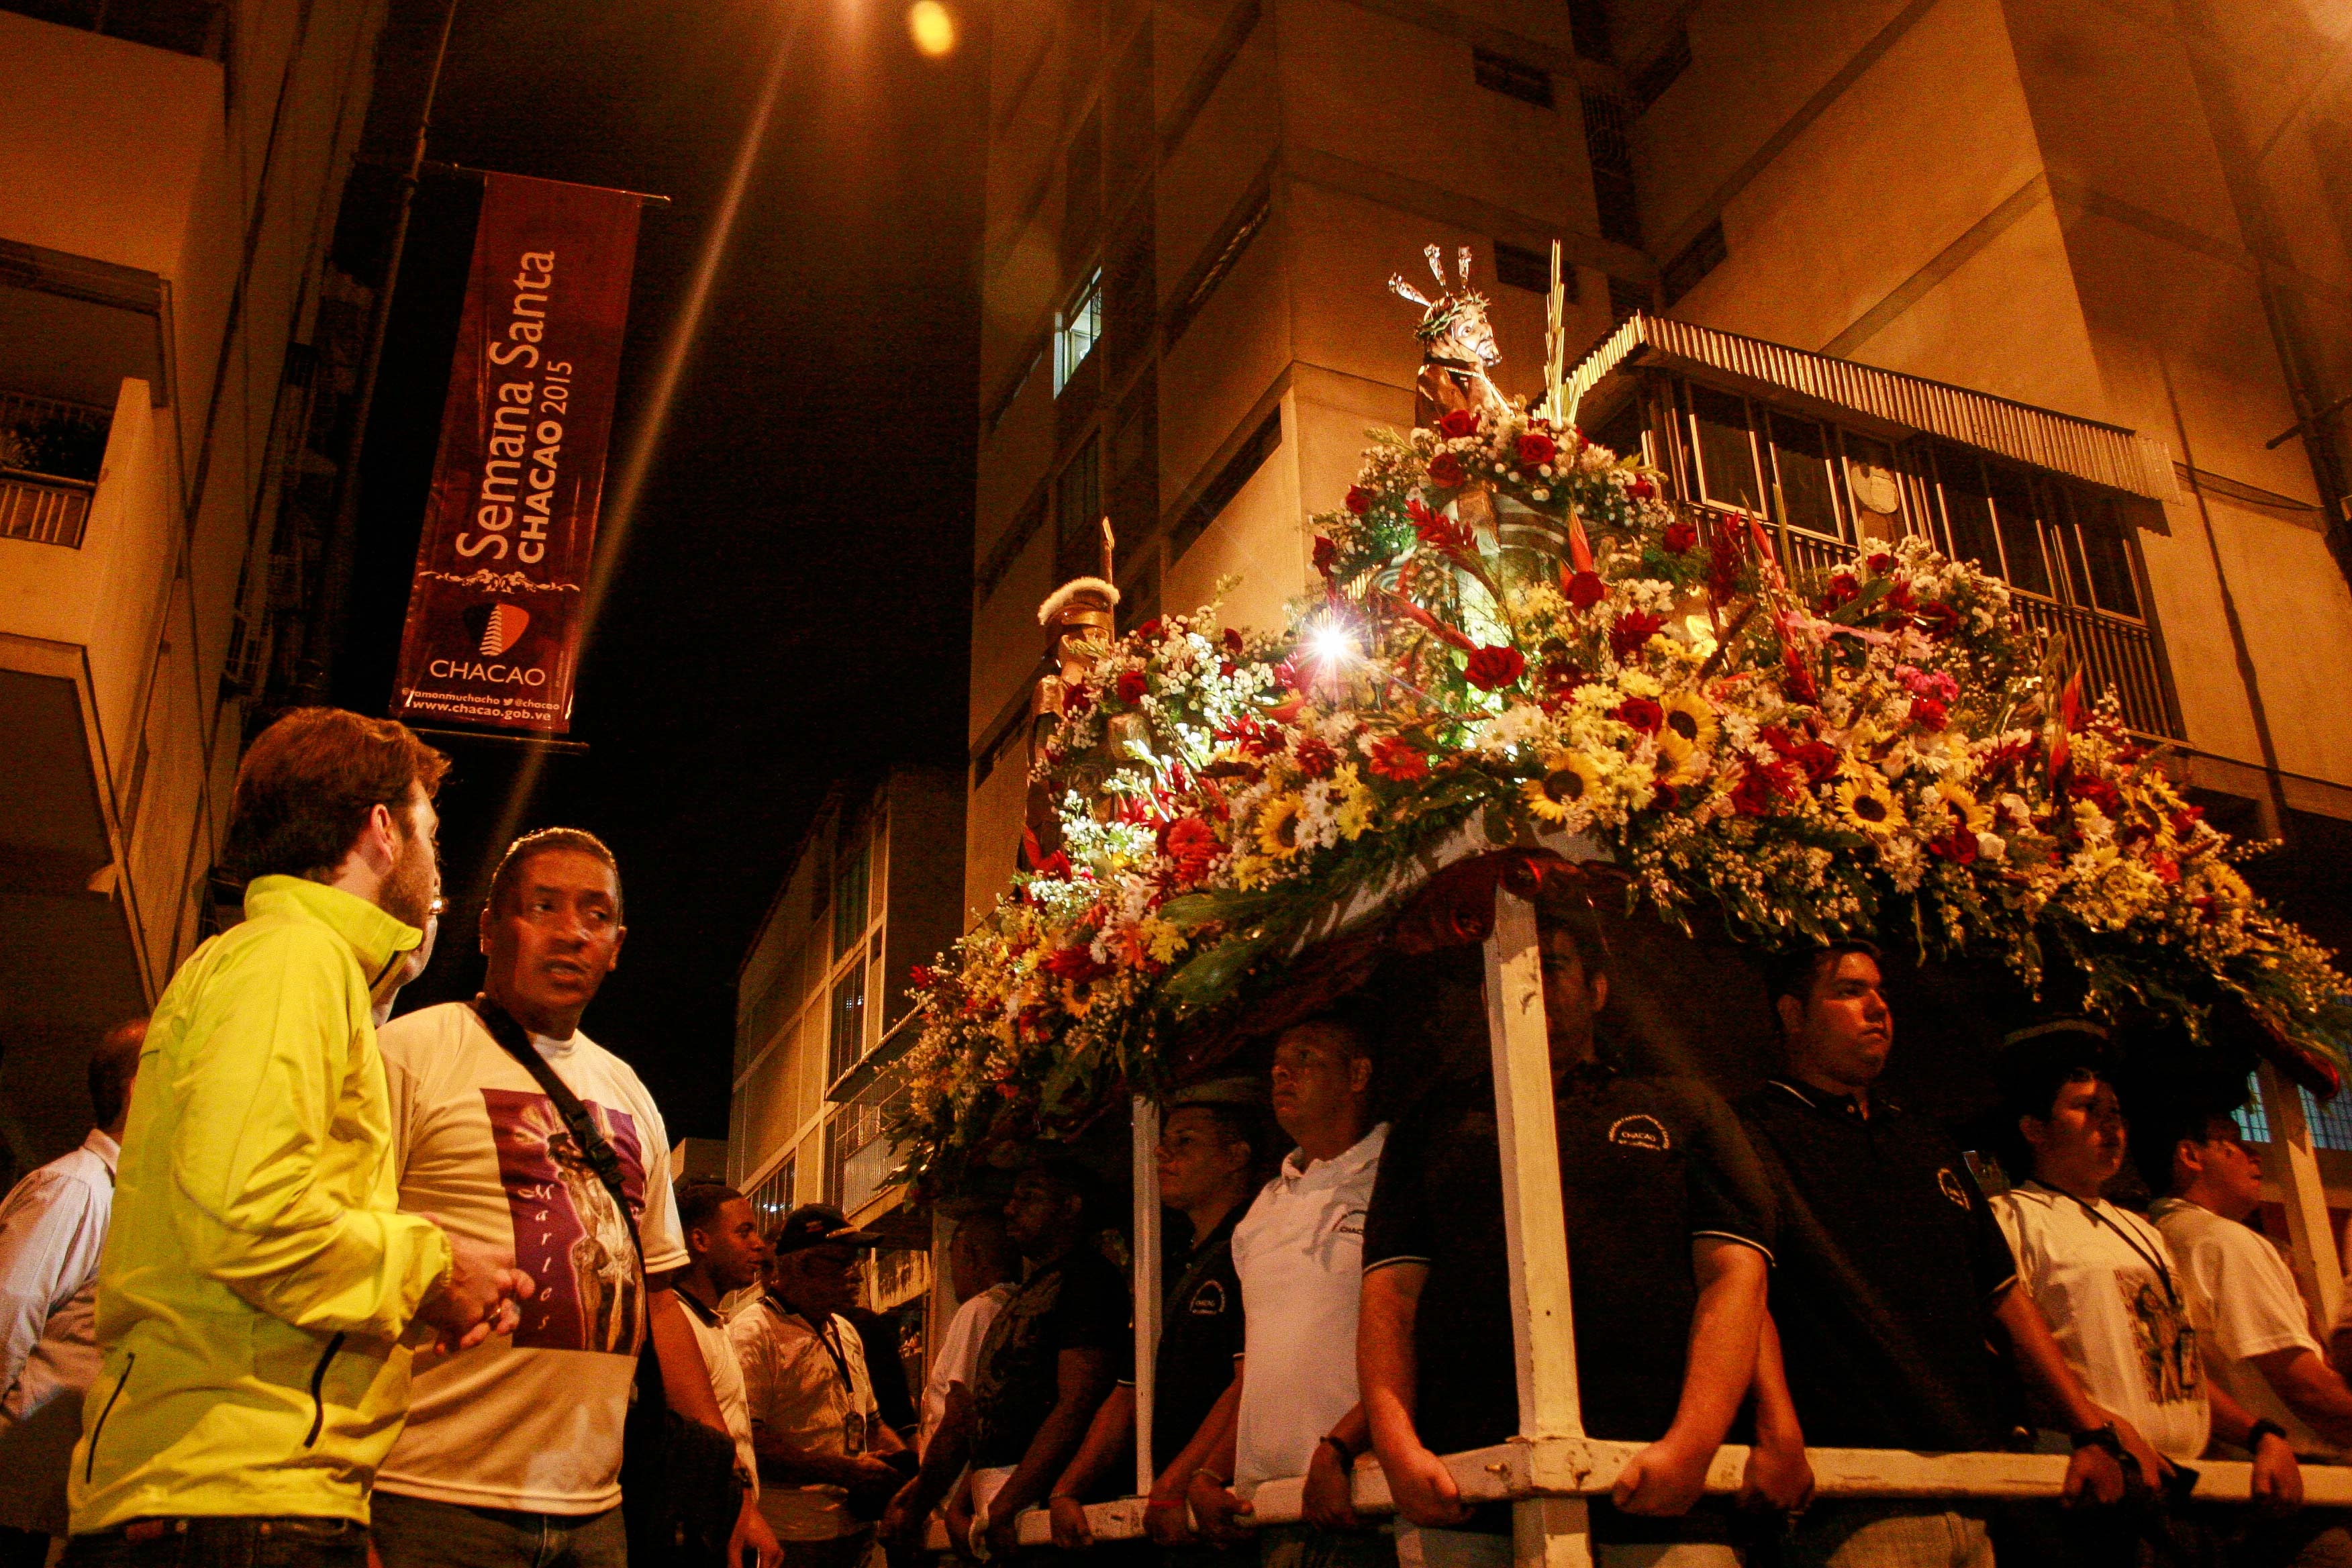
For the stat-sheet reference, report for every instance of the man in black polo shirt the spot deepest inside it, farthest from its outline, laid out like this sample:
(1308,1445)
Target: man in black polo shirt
(1210,1149)
(1667,1227)
(1893,1281)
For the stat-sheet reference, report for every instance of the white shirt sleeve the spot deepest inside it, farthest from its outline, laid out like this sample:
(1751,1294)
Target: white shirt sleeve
(49,1246)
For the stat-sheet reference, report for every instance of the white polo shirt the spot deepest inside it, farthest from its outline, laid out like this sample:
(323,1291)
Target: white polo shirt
(1300,1255)
(2242,1298)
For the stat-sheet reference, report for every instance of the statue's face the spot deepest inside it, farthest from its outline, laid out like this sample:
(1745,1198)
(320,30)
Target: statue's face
(1475,334)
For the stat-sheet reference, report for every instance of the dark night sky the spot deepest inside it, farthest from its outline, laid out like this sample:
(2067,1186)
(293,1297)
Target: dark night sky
(792,600)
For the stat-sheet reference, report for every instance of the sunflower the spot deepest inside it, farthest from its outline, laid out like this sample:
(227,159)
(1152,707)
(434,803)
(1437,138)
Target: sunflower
(1690,720)
(1966,808)
(1277,827)
(1679,760)
(1864,800)
(1568,781)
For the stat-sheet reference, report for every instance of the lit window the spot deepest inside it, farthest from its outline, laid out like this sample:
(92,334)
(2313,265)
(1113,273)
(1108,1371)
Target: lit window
(1074,333)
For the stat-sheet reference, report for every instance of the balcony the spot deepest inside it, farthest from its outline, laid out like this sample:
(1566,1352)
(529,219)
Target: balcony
(50,453)
(1834,459)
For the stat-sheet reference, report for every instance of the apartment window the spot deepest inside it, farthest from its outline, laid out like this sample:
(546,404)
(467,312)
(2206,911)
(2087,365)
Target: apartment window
(1078,513)
(2330,1121)
(1531,270)
(1512,79)
(1699,257)
(1612,157)
(2015,519)
(1805,493)
(1727,451)
(1075,330)
(845,1038)
(1627,299)
(1238,470)
(2099,558)
(1223,256)
(772,1199)
(1781,466)
(1588,29)
(849,883)
(1650,83)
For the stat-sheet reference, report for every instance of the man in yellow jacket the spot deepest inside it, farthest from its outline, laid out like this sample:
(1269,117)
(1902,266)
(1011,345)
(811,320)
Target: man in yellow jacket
(259,1293)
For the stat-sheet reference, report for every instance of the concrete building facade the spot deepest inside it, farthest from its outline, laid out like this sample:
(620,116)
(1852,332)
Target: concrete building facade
(168,179)
(821,1005)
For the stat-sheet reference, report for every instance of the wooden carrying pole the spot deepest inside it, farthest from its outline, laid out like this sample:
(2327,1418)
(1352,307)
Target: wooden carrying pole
(2295,1165)
(1548,1531)
(1147,1283)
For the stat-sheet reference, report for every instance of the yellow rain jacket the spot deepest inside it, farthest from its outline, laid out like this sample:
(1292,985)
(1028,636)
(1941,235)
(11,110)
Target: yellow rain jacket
(257,1279)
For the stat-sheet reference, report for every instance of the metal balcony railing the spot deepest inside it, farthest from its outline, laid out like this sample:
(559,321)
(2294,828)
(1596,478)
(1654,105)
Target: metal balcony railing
(50,453)
(42,510)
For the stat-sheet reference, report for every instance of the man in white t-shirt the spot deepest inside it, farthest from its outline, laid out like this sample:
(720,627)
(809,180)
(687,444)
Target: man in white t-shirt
(1299,1253)
(2251,1323)
(983,1268)
(512,1450)
(2104,1278)
(827,1463)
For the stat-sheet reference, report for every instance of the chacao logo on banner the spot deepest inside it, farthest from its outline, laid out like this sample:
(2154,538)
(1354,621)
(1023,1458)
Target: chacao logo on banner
(493,631)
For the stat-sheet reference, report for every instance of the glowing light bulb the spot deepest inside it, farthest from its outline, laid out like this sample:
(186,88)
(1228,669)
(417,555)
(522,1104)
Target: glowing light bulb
(1331,644)
(933,29)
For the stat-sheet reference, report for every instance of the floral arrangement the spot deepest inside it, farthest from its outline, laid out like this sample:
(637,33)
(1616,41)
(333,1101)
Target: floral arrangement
(1517,635)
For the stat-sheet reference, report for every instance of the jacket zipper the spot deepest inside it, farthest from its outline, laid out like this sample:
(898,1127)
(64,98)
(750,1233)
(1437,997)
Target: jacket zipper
(89,1465)
(318,1392)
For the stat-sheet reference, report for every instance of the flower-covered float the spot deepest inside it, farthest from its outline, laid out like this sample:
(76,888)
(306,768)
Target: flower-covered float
(1518,640)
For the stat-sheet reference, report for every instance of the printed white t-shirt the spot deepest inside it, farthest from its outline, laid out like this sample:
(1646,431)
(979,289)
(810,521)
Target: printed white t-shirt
(531,1422)
(2242,1298)
(2118,1306)
(958,1357)
(1300,1255)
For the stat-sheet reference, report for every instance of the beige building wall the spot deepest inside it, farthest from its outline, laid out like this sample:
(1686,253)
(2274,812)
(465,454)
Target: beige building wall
(166,196)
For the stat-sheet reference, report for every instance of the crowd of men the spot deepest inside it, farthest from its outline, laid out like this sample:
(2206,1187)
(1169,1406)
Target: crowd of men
(324,1289)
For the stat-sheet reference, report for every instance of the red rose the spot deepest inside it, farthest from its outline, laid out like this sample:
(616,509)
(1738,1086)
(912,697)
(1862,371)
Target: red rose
(1446,472)
(1642,713)
(1131,686)
(1536,449)
(1458,424)
(1664,796)
(1325,554)
(1959,845)
(1757,790)
(1938,619)
(1680,537)
(1492,668)
(1928,713)
(1819,761)
(1640,487)
(1842,590)
(1232,640)
(1192,846)
(1150,630)
(1077,700)
(1633,631)
(1585,589)
(1399,760)
(1882,563)
(1075,964)
(1359,500)
(1315,759)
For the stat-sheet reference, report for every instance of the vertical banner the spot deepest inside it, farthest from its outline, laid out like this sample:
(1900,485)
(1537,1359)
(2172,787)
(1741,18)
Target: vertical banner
(493,632)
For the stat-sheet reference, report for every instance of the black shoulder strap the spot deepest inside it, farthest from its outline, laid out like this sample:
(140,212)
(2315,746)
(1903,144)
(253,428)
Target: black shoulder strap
(585,1136)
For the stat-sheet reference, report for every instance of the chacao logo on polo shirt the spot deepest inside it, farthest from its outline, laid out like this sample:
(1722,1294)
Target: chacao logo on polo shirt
(1640,1132)
(1209,1301)
(1953,1187)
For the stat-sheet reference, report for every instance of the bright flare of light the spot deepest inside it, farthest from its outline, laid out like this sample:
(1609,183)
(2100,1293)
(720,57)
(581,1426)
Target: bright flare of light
(933,29)
(1331,645)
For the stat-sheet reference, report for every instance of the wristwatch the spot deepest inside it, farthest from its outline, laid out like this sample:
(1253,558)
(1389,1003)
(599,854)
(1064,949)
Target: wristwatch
(2098,1437)
(2254,1434)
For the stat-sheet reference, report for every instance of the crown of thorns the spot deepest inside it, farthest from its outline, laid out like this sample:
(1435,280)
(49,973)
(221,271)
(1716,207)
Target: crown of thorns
(1452,302)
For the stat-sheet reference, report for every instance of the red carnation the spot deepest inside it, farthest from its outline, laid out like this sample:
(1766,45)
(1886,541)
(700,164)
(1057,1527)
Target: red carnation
(1536,449)
(1325,554)
(1642,713)
(1359,500)
(1959,845)
(1400,760)
(1633,631)
(2098,792)
(1928,713)
(1192,844)
(1131,686)
(1075,964)
(1680,537)
(1315,758)
(1585,589)
(1445,470)
(1492,668)
(1458,424)
(921,978)
(1640,487)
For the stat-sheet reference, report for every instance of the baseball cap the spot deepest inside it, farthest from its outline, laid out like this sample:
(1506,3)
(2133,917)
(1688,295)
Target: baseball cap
(818,1225)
